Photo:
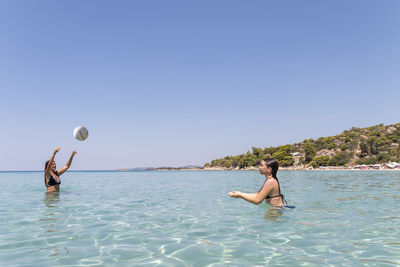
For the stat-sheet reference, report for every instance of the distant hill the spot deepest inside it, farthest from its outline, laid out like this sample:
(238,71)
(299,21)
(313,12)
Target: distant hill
(371,145)
(187,167)
(141,169)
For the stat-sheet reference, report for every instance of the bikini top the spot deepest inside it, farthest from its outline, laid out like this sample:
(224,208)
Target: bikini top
(279,195)
(53,181)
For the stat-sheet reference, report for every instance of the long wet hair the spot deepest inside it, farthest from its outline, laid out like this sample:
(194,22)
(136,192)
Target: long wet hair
(46,164)
(45,168)
(273,164)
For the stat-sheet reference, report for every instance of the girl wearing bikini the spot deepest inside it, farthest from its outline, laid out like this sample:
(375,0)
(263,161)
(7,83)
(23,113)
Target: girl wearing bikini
(270,191)
(51,175)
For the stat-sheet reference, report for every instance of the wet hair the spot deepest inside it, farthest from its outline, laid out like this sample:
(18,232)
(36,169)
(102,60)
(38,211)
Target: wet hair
(46,164)
(273,164)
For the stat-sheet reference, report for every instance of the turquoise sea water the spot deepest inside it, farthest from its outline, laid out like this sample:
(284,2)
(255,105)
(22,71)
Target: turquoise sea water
(342,218)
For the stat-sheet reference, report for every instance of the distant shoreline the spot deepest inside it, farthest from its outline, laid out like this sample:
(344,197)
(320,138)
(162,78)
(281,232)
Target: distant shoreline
(305,169)
(255,169)
(208,169)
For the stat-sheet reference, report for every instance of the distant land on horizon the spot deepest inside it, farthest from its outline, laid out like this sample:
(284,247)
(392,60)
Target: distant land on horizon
(371,145)
(162,168)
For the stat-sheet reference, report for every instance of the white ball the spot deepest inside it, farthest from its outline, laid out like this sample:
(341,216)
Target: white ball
(81,133)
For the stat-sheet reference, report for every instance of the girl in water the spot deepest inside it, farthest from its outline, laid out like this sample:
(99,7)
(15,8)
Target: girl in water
(270,191)
(51,175)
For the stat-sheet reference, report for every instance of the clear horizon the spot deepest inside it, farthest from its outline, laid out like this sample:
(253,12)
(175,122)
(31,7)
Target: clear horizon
(177,83)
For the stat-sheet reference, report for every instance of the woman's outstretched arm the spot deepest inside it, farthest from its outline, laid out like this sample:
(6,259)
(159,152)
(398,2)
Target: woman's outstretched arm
(66,167)
(255,198)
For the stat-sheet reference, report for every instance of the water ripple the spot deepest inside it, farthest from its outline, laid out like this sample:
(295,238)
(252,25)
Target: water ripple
(172,219)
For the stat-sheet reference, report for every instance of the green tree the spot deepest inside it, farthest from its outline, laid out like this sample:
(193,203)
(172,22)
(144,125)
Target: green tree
(227,163)
(287,161)
(320,161)
(248,160)
(353,145)
(326,142)
(286,148)
(374,132)
(367,161)
(309,151)
(364,149)
(395,154)
(235,161)
(382,141)
(340,159)
(284,158)
(280,155)
(394,138)
(383,158)
(355,129)
(258,152)
(331,145)
(270,150)
(372,145)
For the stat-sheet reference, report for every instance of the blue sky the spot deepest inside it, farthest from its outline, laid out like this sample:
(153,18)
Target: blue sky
(171,83)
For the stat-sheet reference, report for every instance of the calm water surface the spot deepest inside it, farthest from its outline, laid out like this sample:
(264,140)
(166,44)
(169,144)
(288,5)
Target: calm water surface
(342,218)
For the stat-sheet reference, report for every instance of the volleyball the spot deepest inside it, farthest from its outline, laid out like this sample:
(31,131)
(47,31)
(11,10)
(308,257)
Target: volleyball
(81,133)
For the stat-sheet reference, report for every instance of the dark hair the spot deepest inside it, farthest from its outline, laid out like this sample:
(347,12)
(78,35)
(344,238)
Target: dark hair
(273,164)
(46,164)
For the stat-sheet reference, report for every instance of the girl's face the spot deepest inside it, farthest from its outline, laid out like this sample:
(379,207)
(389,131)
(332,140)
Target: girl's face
(264,169)
(53,166)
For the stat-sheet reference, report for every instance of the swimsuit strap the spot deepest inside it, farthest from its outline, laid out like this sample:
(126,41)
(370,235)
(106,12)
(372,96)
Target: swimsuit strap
(280,194)
(274,196)
(279,187)
(54,179)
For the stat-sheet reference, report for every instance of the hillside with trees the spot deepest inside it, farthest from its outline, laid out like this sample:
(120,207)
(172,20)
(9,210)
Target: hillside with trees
(371,145)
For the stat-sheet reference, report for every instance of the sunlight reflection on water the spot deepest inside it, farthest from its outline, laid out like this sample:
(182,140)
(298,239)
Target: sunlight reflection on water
(186,218)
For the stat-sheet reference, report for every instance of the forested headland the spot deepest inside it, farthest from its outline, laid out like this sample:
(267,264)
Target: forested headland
(357,146)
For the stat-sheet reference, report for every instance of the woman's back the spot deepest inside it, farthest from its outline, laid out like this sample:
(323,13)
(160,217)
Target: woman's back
(274,198)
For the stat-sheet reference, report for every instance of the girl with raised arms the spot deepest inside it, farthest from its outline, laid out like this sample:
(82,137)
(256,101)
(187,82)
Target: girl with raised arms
(51,175)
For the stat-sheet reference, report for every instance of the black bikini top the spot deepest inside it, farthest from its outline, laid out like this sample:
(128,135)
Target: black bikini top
(53,181)
(279,195)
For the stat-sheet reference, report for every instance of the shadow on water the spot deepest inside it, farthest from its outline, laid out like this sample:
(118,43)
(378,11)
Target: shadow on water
(50,216)
(273,214)
(50,223)
(51,199)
